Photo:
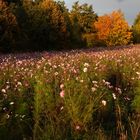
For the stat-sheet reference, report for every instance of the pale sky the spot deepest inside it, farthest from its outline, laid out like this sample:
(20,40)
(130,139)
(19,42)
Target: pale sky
(130,8)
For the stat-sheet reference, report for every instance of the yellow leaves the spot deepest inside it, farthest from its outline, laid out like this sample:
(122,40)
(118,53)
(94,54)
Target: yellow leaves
(113,30)
(103,24)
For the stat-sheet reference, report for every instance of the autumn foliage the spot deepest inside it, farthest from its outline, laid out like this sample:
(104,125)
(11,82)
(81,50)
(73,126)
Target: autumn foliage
(8,27)
(113,30)
(38,25)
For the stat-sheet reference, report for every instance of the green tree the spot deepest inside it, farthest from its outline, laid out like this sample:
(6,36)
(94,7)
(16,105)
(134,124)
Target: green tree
(83,17)
(18,2)
(46,24)
(136,29)
(66,15)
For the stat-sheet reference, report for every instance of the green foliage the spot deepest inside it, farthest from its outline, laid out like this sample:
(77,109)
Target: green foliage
(91,39)
(136,102)
(15,107)
(82,18)
(46,24)
(76,95)
(85,16)
(136,29)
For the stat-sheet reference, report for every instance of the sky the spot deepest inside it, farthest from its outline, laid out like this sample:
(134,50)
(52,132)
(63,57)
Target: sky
(130,8)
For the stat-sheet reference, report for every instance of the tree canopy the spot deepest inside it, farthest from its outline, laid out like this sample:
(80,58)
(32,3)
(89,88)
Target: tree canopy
(49,24)
(8,27)
(113,30)
(136,29)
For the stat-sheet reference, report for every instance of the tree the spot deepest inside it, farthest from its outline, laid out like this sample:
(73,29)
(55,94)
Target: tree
(113,30)
(82,18)
(67,21)
(136,29)
(85,16)
(17,2)
(47,25)
(8,28)
(56,30)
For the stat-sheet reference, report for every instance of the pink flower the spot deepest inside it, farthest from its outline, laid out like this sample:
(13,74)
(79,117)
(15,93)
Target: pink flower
(62,94)
(77,127)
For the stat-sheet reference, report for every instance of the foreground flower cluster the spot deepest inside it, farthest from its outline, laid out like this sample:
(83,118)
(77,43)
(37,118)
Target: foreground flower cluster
(89,94)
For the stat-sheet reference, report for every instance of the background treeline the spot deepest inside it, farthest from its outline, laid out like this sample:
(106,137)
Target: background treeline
(27,25)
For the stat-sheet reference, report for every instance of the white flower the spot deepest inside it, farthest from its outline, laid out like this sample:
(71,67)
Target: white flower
(138,73)
(77,78)
(85,70)
(3,90)
(107,83)
(93,89)
(22,116)
(54,66)
(4,108)
(61,108)
(7,87)
(56,73)
(132,78)
(114,96)
(11,103)
(7,116)
(19,84)
(86,65)
(61,86)
(7,82)
(95,85)
(104,102)
(81,81)
(94,82)
(119,90)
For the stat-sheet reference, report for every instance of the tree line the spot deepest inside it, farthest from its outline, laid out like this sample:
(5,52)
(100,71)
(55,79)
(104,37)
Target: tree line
(37,25)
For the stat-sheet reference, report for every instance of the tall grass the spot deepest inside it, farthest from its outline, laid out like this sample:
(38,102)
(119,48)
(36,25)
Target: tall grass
(72,96)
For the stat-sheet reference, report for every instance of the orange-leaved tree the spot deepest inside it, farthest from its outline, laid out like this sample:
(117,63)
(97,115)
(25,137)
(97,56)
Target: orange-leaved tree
(113,30)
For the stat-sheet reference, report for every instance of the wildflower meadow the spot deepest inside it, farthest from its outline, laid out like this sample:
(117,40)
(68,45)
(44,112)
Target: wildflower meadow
(91,94)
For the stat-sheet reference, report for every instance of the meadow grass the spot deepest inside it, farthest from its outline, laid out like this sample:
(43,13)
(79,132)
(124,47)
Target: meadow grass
(76,95)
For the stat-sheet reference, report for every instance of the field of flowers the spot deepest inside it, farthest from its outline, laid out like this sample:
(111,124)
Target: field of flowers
(77,95)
